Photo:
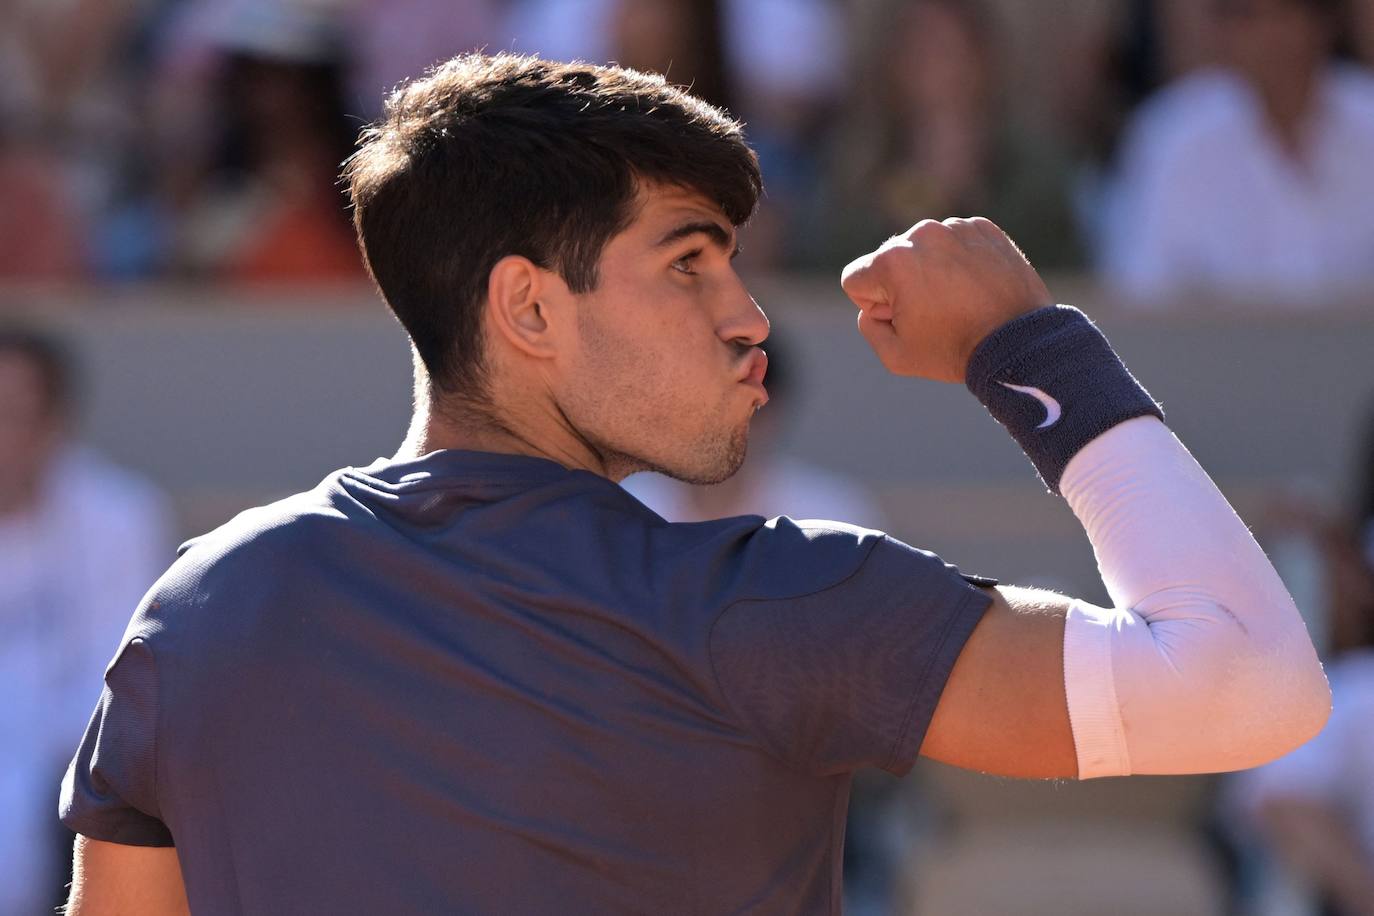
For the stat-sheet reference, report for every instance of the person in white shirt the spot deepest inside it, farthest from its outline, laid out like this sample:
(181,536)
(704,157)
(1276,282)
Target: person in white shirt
(1313,809)
(1250,180)
(80,541)
(1311,812)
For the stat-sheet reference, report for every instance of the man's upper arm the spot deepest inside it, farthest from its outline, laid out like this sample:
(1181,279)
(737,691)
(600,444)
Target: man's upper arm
(1004,709)
(845,671)
(109,879)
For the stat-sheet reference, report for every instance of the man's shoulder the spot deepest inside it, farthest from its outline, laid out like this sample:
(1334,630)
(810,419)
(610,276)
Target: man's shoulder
(250,559)
(296,522)
(236,589)
(783,557)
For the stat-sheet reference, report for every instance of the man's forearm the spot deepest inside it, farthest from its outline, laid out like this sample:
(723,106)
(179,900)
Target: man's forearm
(1204,664)
(1209,660)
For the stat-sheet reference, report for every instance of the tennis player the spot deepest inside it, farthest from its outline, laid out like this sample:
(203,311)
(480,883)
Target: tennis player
(479,677)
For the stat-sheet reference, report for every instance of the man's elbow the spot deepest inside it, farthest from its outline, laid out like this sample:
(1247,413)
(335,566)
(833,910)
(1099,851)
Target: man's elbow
(1290,704)
(1251,703)
(1315,706)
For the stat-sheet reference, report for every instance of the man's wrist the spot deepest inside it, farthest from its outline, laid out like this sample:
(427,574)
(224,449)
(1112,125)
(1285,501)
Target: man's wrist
(1052,379)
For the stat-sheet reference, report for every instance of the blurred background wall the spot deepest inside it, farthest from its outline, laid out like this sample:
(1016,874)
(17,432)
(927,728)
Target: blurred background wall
(245,399)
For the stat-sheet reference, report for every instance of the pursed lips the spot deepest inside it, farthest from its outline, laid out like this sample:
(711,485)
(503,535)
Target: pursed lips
(754,369)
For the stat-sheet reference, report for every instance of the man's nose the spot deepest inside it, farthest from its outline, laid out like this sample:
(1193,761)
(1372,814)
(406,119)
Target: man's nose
(745,322)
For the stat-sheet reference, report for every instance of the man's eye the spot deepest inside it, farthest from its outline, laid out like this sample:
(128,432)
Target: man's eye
(685,263)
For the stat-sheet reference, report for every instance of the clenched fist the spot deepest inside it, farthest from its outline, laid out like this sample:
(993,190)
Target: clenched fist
(927,298)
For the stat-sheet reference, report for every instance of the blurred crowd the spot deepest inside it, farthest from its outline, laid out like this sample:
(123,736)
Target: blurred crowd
(1182,151)
(1175,148)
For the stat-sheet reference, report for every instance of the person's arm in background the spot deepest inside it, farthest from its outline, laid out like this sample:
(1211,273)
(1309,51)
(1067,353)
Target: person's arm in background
(128,880)
(1315,840)
(1204,664)
(1310,808)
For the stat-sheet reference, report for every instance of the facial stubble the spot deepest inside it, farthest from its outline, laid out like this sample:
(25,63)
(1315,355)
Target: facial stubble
(626,409)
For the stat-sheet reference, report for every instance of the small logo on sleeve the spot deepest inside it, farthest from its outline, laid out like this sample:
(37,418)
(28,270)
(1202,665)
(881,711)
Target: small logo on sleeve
(1052,409)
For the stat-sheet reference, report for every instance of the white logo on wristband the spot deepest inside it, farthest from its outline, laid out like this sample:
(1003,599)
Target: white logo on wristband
(1052,410)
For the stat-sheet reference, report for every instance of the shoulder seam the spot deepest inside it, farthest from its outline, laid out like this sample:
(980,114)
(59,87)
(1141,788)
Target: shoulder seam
(146,646)
(158,726)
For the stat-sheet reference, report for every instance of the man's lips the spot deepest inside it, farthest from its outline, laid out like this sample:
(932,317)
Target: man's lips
(754,369)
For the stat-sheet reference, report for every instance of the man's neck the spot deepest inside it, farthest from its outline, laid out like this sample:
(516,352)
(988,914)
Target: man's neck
(19,498)
(731,496)
(1289,108)
(440,422)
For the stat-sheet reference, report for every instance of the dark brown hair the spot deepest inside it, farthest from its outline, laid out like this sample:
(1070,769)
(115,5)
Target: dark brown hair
(48,356)
(486,157)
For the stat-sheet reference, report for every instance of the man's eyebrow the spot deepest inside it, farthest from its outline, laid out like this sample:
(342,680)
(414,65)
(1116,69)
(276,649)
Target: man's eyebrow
(719,236)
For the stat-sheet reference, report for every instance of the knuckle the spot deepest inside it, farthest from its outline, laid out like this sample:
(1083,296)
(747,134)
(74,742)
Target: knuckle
(927,229)
(992,228)
(888,260)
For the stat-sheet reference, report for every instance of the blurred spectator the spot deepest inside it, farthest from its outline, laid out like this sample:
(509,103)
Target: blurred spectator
(561,29)
(787,61)
(40,234)
(68,114)
(394,40)
(1364,527)
(80,542)
(775,64)
(933,136)
(254,130)
(1250,179)
(682,39)
(1313,810)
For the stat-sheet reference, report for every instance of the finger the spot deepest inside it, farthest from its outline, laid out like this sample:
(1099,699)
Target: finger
(862,282)
(882,337)
(929,230)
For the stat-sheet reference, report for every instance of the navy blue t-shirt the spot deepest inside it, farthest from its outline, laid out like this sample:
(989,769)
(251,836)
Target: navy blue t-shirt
(477,683)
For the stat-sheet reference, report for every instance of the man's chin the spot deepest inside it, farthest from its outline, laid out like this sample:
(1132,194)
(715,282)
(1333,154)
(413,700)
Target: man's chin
(712,463)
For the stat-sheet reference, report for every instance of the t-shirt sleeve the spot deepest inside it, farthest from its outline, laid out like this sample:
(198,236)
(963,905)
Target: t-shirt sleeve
(110,790)
(849,675)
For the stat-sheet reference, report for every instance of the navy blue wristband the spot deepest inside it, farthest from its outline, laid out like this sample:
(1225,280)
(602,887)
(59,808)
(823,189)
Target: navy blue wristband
(1054,382)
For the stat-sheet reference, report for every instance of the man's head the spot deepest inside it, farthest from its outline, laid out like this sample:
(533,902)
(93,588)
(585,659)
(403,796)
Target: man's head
(562,233)
(35,383)
(1272,42)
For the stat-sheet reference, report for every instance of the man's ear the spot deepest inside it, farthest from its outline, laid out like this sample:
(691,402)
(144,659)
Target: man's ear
(514,310)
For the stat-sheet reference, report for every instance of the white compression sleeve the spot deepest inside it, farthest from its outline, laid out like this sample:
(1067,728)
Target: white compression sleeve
(1204,665)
